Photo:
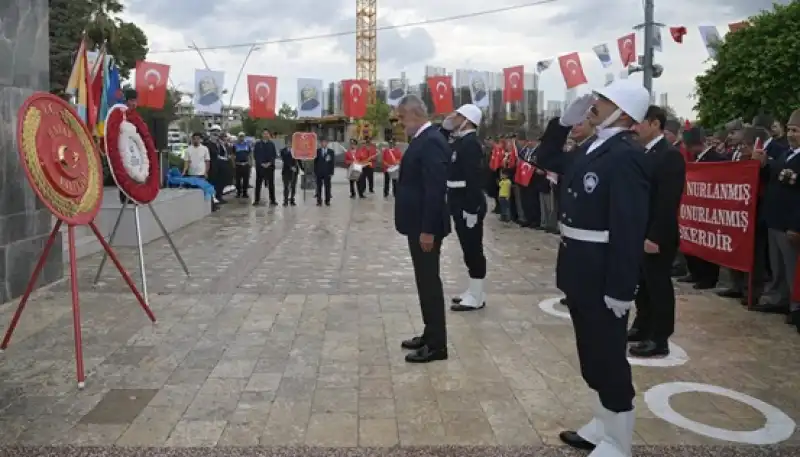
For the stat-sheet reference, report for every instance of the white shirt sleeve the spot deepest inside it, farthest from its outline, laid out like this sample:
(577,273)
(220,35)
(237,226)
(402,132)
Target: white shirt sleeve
(206,155)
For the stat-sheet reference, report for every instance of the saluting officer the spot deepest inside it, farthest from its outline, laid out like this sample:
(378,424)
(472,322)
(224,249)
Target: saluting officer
(604,210)
(467,201)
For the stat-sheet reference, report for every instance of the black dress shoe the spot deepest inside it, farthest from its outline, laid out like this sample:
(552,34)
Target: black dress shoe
(456,300)
(649,349)
(426,354)
(730,293)
(688,279)
(793,318)
(703,285)
(413,344)
(563,301)
(770,309)
(572,439)
(327,203)
(635,335)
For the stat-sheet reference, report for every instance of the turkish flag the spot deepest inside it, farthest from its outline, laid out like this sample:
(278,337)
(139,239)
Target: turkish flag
(677,33)
(572,70)
(627,49)
(514,89)
(496,159)
(736,26)
(524,174)
(354,92)
(512,155)
(151,84)
(442,93)
(262,91)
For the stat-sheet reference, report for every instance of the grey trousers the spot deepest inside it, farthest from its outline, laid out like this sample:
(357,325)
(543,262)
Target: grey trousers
(548,205)
(518,191)
(782,261)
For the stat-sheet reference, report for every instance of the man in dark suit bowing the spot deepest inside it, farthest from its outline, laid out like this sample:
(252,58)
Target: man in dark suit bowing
(655,299)
(421,214)
(323,171)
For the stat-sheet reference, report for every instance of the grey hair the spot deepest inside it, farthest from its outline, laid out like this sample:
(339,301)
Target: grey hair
(414,105)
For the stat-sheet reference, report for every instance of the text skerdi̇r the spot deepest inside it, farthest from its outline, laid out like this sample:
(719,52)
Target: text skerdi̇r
(714,216)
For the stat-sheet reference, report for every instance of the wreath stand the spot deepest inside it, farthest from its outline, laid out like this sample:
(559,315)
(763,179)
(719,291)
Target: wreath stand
(135,192)
(139,244)
(76,156)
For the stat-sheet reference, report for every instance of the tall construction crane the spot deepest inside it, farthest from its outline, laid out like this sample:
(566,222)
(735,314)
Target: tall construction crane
(366,53)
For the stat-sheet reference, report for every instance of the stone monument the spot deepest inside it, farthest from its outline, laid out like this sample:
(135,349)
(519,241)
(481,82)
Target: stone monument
(24,222)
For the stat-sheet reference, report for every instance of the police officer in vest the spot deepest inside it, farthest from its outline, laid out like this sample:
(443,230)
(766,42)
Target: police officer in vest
(604,210)
(467,201)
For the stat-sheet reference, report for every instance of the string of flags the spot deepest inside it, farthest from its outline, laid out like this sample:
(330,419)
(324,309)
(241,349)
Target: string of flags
(572,68)
(97,86)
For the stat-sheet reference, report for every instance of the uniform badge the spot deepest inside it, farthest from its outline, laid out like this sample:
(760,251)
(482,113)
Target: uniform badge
(590,181)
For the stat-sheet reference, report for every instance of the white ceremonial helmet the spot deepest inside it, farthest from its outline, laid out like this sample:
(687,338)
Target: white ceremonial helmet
(471,112)
(629,96)
(215,128)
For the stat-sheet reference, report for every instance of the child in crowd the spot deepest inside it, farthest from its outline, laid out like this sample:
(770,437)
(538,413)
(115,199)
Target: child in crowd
(504,197)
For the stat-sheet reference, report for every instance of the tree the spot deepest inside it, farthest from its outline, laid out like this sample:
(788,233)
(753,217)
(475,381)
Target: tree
(283,123)
(191,124)
(755,70)
(378,114)
(68,21)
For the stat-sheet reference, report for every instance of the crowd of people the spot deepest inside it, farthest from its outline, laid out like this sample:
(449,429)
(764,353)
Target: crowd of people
(535,205)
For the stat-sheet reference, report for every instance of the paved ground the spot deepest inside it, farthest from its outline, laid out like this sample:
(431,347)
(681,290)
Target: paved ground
(288,331)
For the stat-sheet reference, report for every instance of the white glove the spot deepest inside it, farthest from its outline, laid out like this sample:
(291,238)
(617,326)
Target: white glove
(470,219)
(618,307)
(576,111)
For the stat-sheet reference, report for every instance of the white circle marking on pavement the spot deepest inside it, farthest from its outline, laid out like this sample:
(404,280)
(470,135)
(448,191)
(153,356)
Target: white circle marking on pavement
(677,355)
(778,427)
(549,306)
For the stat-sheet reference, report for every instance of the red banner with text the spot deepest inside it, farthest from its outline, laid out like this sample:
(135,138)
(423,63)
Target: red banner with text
(718,212)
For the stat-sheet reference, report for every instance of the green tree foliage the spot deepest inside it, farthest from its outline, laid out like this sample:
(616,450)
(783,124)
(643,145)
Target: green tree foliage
(378,114)
(68,21)
(755,70)
(284,123)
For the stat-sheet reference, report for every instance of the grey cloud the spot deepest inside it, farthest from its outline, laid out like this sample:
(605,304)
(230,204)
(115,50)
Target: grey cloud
(592,17)
(214,22)
(397,48)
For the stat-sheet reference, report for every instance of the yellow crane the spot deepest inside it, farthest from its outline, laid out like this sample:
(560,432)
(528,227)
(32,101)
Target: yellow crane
(366,55)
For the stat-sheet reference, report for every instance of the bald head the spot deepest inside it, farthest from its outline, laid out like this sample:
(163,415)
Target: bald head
(412,113)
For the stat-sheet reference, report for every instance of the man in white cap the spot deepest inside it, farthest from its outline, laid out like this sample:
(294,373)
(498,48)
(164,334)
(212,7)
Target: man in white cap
(604,210)
(467,201)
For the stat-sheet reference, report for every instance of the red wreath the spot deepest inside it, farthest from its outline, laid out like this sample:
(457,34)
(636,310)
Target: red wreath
(139,192)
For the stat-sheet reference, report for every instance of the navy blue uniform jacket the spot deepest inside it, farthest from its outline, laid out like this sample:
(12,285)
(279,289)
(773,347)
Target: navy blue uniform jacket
(289,162)
(421,200)
(324,162)
(264,151)
(605,190)
(467,166)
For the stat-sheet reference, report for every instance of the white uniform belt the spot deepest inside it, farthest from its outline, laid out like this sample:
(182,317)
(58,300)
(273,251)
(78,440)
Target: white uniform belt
(589,236)
(456,184)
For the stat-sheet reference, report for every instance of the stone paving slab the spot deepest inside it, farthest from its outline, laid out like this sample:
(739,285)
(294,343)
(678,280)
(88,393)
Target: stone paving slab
(432,451)
(265,347)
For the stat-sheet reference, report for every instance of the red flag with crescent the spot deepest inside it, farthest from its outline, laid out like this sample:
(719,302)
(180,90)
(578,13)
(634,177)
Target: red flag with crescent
(496,159)
(151,84)
(524,173)
(354,93)
(262,91)
(514,89)
(677,34)
(627,49)
(572,70)
(442,94)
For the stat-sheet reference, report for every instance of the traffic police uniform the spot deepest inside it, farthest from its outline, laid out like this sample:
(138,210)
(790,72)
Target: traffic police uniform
(604,210)
(467,202)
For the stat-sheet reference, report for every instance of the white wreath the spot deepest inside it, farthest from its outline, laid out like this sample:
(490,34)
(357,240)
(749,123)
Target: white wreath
(133,152)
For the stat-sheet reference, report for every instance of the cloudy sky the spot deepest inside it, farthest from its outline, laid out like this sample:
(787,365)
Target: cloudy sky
(489,42)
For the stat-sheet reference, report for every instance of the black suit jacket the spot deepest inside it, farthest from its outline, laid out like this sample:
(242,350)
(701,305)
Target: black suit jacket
(290,164)
(782,197)
(324,162)
(667,171)
(421,200)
